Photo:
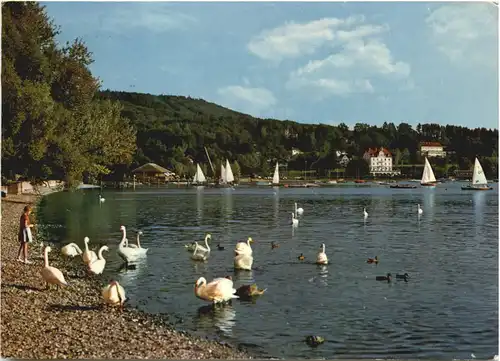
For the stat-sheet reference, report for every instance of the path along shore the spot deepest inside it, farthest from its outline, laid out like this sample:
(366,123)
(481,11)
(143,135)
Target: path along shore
(72,322)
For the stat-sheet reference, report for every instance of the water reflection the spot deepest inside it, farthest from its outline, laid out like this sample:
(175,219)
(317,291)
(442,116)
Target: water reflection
(222,317)
(276,206)
(323,274)
(429,203)
(478,200)
(200,194)
(199,267)
(243,277)
(227,204)
(129,273)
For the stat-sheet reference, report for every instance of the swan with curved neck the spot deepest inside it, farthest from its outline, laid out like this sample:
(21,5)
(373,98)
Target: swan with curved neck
(114,294)
(71,250)
(206,248)
(218,291)
(295,221)
(52,275)
(129,254)
(243,262)
(365,213)
(88,255)
(322,258)
(298,211)
(200,253)
(244,247)
(97,266)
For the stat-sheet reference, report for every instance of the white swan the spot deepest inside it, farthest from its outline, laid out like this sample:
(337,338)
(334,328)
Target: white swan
(129,254)
(199,254)
(244,247)
(243,261)
(322,258)
(299,211)
(50,274)
(114,294)
(71,250)
(218,291)
(137,246)
(207,249)
(295,221)
(101,200)
(88,256)
(420,210)
(365,213)
(97,267)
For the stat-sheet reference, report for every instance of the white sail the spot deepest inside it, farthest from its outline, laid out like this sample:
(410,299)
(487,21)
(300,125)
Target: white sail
(199,177)
(229,173)
(276,176)
(428,175)
(222,174)
(478,177)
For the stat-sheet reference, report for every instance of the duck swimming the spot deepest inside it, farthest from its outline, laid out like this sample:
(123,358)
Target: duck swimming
(274,245)
(301,257)
(246,292)
(404,277)
(387,278)
(372,260)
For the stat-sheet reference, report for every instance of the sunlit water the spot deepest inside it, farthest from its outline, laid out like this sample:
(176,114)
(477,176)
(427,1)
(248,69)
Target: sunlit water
(448,309)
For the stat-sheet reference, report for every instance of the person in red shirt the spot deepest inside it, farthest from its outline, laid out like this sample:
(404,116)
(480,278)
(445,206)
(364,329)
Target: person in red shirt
(24,235)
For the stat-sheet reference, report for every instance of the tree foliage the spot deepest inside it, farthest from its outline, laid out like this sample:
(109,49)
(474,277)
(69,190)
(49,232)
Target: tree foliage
(52,123)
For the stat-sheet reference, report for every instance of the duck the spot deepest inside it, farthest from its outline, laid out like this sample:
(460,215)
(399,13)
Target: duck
(200,253)
(220,290)
(365,213)
(404,277)
(387,278)
(129,254)
(274,245)
(52,275)
(88,256)
(219,247)
(249,291)
(301,257)
(321,258)
(295,221)
(243,262)
(420,210)
(114,294)
(71,250)
(372,260)
(97,266)
(314,341)
(299,211)
(207,248)
(244,247)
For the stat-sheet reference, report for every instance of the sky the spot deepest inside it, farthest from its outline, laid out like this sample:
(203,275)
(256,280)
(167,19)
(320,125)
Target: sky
(312,62)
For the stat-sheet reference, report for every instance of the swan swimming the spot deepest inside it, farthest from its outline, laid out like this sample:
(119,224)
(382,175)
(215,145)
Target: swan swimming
(244,247)
(129,254)
(365,213)
(322,258)
(299,211)
(101,200)
(295,221)
(243,262)
(207,248)
(52,275)
(218,291)
(199,254)
(420,210)
(137,246)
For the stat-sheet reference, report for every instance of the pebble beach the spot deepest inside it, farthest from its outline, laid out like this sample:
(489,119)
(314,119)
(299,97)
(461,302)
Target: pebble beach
(72,322)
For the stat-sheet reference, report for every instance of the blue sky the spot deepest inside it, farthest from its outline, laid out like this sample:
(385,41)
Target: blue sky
(309,62)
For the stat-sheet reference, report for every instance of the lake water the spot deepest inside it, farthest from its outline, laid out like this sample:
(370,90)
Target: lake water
(448,309)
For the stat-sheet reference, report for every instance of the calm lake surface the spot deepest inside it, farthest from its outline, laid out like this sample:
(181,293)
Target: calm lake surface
(448,309)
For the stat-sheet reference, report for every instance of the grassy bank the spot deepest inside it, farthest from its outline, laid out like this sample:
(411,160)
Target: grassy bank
(72,322)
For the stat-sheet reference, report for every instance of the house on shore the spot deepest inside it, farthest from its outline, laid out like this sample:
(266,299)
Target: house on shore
(432,149)
(380,162)
(153,173)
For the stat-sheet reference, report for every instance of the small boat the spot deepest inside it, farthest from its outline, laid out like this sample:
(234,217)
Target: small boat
(199,178)
(479,182)
(359,181)
(428,178)
(403,186)
(227,177)
(276,176)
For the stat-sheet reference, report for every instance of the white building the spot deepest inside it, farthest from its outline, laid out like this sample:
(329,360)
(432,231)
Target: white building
(380,161)
(432,149)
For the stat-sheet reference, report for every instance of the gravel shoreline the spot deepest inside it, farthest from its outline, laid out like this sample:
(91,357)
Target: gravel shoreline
(72,322)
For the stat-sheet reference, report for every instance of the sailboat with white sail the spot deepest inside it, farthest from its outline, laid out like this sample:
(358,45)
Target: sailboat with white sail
(428,178)
(479,182)
(276,176)
(227,176)
(229,173)
(222,174)
(199,178)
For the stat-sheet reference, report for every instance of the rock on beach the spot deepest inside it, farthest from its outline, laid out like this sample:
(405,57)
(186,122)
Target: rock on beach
(72,322)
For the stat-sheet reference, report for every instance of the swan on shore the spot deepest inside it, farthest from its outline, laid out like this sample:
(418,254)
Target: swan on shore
(52,275)
(220,290)
(244,247)
(97,266)
(114,294)
(322,258)
(88,255)
(71,250)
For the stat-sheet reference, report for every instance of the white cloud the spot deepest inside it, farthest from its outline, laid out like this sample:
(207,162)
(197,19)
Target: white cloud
(155,17)
(358,59)
(247,100)
(467,33)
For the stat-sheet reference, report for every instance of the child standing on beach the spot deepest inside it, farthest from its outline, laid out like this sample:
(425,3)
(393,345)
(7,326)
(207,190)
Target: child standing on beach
(24,235)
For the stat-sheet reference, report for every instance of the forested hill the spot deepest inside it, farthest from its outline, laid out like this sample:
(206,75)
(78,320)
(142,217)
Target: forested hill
(172,129)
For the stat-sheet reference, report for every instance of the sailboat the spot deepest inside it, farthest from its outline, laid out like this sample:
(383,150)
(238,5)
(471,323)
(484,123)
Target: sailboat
(479,182)
(227,176)
(276,176)
(199,178)
(428,178)
(222,174)
(229,173)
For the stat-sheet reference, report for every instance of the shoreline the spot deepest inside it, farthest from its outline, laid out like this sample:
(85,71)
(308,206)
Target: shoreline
(72,322)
